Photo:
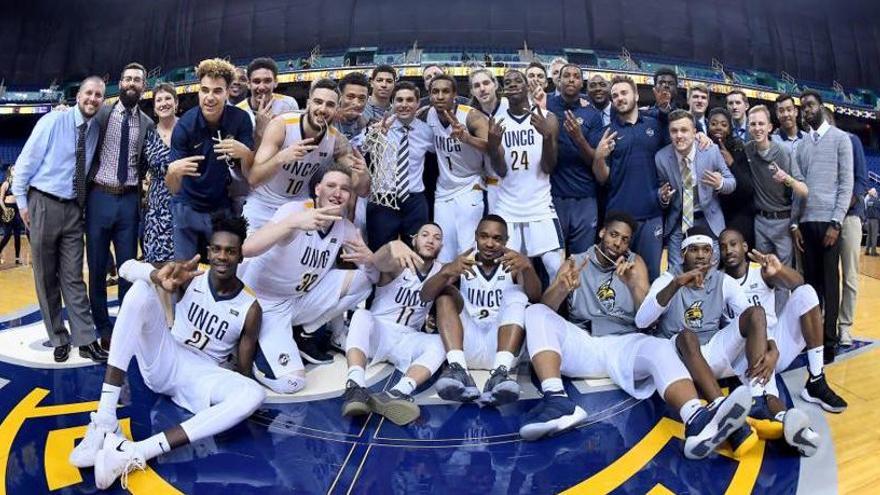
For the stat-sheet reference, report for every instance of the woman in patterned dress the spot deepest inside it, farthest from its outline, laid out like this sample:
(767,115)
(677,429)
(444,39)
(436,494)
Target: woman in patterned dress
(158,240)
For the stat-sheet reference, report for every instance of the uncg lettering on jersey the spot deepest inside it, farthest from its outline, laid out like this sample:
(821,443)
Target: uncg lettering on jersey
(205,321)
(484,298)
(447,144)
(519,137)
(314,258)
(409,297)
(299,171)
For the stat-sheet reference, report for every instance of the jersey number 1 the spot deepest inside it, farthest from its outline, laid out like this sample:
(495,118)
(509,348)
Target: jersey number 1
(294,186)
(519,158)
(404,316)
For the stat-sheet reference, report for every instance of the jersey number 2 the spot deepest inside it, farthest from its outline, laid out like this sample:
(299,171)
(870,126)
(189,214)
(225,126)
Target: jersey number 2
(198,340)
(519,158)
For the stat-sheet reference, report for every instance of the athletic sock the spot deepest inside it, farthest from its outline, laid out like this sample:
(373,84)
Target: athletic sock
(154,446)
(816,360)
(712,405)
(456,357)
(503,358)
(780,416)
(406,385)
(357,375)
(108,401)
(553,386)
(689,409)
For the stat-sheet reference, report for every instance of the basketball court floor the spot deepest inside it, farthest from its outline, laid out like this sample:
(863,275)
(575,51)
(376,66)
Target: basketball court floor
(302,444)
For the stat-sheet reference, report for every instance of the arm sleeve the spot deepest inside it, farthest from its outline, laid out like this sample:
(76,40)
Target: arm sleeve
(734,297)
(31,157)
(651,310)
(179,138)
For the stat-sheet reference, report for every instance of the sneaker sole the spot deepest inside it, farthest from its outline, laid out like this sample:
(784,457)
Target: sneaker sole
(794,424)
(399,412)
(99,470)
(352,409)
(505,393)
(313,360)
(449,389)
(828,407)
(731,414)
(536,431)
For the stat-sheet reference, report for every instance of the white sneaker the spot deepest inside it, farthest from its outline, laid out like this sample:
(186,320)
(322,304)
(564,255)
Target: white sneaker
(797,432)
(845,338)
(83,455)
(117,457)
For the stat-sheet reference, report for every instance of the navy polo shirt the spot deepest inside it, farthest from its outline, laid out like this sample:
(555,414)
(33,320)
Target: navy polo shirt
(633,183)
(193,136)
(573,177)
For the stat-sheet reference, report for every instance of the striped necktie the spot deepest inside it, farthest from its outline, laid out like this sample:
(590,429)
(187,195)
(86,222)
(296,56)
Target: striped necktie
(687,195)
(402,175)
(79,175)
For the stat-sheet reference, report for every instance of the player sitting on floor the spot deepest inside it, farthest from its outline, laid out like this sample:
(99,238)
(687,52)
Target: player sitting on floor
(216,317)
(481,322)
(391,329)
(602,288)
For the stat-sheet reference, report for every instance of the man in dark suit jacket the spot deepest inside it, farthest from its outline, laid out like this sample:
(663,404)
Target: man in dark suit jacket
(682,163)
(112,208)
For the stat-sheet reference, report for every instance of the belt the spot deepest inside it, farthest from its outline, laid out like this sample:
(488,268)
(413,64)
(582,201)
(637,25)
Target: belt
(52,196)
(115,190)
(775,215)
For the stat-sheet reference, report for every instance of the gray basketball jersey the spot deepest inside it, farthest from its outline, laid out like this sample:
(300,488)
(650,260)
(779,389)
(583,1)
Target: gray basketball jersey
(700,310)
(603,301)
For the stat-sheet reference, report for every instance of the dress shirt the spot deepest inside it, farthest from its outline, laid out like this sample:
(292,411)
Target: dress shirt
(421,141)
(108,166)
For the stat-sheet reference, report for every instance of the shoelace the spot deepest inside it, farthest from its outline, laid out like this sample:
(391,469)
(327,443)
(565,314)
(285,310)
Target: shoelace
(132,464)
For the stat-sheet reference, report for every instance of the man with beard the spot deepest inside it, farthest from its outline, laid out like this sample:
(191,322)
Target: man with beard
(481,299)
(484,88)
(112,208)
(50,181)
(263,103)
(574,187)
(826,160)
(624,160)
(212,139)
(603,288)
(796,328)
(789,135)
(523,152)
(305,238)
(459,134)
(238,88)
(391,329)
(600,97)
(738,106)
(180,353)
(295,148)
(698,103)
(665,92)
(382,86)
(715,329)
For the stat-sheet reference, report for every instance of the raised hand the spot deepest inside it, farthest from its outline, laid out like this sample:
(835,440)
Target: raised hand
(573,127)
(263,115)
(625,269)
(459,130)
(540,122)
(606,144)
(514,261)
(770,264)
(692,279)
(539,97)
(569,274)
(666,192)
(188,166)
(355,250)
(463,263)
(174,275)
(314,218)
(496,130)
(712,179)
(230,149)
(404,256)
(297,150)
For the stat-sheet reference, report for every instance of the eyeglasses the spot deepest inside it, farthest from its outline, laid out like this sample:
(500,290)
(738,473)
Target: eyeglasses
(128,79)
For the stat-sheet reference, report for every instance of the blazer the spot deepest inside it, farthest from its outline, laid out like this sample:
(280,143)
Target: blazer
(668,170)
(102,117)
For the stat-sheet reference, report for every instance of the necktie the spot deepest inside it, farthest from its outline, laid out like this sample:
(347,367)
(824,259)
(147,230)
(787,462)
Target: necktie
(687,195)
(402,174)
(122,165)
(79,175)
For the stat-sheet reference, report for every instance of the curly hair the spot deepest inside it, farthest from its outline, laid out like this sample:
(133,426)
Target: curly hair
(235,225)
(216,68)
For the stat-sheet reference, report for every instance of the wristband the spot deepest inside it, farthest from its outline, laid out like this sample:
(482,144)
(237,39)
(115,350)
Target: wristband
(133,270)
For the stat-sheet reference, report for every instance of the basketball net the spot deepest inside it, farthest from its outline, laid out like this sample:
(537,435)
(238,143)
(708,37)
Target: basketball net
(382,167)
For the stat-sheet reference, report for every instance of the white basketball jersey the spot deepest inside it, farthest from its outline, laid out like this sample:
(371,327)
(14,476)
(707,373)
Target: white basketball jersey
(759,293)
(291,181)
(280,104)
(459,164)
(483,294)
(292,270)
(400,300)
(208,324)
(491,178)
(524,195)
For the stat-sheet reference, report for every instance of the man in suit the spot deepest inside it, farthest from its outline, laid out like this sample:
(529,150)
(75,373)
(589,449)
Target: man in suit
(691,180)
(114,183)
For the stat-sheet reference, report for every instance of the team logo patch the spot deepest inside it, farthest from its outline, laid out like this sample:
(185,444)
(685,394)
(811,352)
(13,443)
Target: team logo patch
(649,132)
(693,316)
(606,295)
(233,312)
(322,154)
(333,241)
(284,359)
(579,120)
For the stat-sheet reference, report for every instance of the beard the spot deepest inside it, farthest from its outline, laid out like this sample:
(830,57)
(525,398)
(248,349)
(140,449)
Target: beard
(129,98)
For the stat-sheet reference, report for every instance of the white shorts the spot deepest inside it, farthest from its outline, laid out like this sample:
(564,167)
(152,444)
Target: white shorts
(185,376)
(725,351)
(788,332)
(404,347)
(458,218)
(480,337)
(534,238)
(492,186)
(258,212)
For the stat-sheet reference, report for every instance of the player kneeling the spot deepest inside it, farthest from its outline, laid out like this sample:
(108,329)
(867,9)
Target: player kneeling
(603,287)
(391,329)
(481,301)
(215,315)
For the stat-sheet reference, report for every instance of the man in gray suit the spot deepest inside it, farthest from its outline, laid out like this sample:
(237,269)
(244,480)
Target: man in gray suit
(691,180)
(112,213)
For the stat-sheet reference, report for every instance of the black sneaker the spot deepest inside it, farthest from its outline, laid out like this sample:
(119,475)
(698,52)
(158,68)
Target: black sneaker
(500,389)
(310,347)
(395,405)
(357,400)
(817,391)
(457,384)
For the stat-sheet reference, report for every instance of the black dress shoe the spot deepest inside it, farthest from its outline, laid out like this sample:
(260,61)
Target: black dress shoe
(829,354)
(105,344)
(94,352)
(62,352)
